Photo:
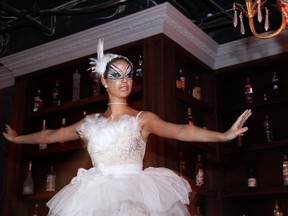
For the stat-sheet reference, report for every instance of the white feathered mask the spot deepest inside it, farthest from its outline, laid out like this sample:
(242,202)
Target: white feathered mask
(99,64)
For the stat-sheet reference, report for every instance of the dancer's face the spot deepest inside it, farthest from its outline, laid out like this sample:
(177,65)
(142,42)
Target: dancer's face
(118,78)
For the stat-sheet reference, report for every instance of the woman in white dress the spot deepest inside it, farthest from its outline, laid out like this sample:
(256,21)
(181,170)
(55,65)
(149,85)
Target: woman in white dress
(117,183)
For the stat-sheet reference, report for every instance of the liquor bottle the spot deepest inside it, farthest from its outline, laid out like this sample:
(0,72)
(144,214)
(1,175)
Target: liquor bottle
(248,89)
(268,129)
(28,187)
(38,101)
(181,80)
(63,123)
(51,177)
(277,211)
(252,181)
(36,210)
(196,92)
(199,171)
(139,71)
(285,170)
(276,88)
(76,86)
(43,146)
(56,98)
(189,117)
(182,163)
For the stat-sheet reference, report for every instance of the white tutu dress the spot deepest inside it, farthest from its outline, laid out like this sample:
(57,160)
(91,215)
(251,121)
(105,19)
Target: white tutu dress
(117,185)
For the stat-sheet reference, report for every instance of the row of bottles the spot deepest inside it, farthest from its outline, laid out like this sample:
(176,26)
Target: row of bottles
(276,89)
(194,90)
(252,180)
(276,211)
(28,186)
(43,146)
(76,79)
(56,97)
(199,169)
(268,134)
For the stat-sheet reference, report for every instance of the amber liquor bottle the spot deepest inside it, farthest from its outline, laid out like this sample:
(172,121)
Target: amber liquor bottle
(189,118)
(196,92)
(285,170)
(35,213)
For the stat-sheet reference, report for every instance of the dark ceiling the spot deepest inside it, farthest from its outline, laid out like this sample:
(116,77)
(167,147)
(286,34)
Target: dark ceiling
(28,23)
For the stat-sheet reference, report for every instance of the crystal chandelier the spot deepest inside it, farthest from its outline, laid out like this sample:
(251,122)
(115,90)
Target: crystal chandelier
(254,7)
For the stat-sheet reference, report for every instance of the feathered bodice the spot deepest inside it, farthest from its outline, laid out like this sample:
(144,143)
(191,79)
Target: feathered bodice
(111,143)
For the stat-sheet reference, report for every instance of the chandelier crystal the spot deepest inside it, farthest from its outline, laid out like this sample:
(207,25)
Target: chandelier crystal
(254,7)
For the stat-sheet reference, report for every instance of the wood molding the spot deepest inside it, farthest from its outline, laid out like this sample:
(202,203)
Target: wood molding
(160,19)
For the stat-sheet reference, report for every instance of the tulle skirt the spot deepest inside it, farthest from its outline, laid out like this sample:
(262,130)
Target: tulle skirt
(123,190)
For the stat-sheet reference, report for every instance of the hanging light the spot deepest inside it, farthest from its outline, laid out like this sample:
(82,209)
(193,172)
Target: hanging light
(254,7)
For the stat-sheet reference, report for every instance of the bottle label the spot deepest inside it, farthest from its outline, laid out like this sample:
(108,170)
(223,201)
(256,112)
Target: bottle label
(200,177)
(252,182)
(37,103)
(183,83)
(249,93)
(50,183)
(197,93)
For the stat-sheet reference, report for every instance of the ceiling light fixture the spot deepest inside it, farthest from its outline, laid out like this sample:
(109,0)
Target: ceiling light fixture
(254,7)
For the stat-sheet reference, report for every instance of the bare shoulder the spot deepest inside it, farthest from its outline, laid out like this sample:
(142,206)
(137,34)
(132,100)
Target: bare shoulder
(147,115)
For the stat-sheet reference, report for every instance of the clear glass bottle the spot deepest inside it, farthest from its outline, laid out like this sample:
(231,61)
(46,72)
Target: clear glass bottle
(28,187)
(56,95)
(43,146)
(63,124)
(276,89)
(139,73)
(268,129)
(38,101)
(252,181)
(51,177)
(199,171)
(76,86)
(285,170)
(248,89)
(189,117)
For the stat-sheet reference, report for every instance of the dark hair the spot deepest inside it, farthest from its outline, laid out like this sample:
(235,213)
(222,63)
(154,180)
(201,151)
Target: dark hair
(112,61)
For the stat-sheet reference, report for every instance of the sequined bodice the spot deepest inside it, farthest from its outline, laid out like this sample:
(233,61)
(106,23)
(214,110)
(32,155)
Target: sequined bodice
(111,143)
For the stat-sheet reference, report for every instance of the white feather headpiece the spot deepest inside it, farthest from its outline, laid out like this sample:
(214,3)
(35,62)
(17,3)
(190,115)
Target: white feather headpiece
(99,64)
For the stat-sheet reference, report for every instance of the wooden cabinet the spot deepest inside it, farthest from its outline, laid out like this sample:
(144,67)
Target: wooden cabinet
(265,157)
(225,191)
